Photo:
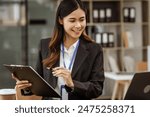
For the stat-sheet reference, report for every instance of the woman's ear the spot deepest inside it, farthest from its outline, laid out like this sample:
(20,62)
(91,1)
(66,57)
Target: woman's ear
(61,21)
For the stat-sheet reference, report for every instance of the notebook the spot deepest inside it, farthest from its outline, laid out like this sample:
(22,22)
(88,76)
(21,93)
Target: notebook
(139,88)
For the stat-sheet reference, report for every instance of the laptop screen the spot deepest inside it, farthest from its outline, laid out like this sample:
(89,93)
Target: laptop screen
(139,88)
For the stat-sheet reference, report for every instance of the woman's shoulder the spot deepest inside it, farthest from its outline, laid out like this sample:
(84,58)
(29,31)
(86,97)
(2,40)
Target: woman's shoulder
(45,41)
(94,46)
(44,44)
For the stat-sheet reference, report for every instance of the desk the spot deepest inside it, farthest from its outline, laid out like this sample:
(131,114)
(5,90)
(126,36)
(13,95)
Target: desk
(122,82)
(7,94)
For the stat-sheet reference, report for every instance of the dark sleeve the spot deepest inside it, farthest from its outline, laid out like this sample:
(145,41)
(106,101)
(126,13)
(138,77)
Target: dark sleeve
(94,86)
(39,66)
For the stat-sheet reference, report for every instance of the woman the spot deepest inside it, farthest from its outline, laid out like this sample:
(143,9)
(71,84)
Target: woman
(70,58)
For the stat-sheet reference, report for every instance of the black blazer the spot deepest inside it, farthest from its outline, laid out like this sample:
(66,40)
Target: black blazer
(87,72)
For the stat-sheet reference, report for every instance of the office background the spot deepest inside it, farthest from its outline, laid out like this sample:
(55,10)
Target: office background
(13,40)
(24,22)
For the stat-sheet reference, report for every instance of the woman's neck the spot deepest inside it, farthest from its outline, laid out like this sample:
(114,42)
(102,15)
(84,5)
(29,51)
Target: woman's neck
(69,42)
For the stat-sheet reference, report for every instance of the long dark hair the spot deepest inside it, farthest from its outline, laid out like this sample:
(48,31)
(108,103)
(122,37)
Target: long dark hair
(64,9)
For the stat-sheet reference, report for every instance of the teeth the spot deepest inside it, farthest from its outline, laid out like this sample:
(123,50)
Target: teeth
(77,31)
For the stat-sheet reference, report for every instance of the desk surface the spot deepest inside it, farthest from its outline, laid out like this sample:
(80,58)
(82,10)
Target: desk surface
(7,91)
(115,76)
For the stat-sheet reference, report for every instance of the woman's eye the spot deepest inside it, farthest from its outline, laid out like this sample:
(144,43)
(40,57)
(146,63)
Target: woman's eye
(82,20)
(72,21)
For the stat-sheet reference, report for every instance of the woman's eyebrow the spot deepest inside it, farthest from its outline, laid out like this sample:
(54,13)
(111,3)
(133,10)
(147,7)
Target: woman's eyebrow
(72,18)
(79,18)
(82,17)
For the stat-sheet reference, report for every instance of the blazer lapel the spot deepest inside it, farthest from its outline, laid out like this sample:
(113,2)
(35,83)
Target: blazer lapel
(80,57)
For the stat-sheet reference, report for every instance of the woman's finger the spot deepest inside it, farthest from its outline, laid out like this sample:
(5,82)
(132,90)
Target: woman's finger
(58,68)
(22,82)
(14,77)
(23,86)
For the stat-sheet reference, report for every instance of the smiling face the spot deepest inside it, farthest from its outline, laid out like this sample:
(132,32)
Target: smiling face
(74,24)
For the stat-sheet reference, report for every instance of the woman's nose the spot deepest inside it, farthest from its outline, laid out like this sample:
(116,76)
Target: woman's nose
(77,25)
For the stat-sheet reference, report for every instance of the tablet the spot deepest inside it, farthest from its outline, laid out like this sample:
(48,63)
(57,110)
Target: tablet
(39,86)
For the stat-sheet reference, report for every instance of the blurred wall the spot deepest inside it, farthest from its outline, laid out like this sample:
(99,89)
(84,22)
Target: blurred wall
(11,36)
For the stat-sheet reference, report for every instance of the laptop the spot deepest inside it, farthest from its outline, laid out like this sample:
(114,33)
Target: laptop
(139,88)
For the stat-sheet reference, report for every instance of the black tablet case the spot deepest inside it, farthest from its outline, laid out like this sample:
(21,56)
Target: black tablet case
(39,86)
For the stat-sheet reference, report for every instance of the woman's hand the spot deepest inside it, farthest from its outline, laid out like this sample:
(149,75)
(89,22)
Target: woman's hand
(65,74)
(23,85)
